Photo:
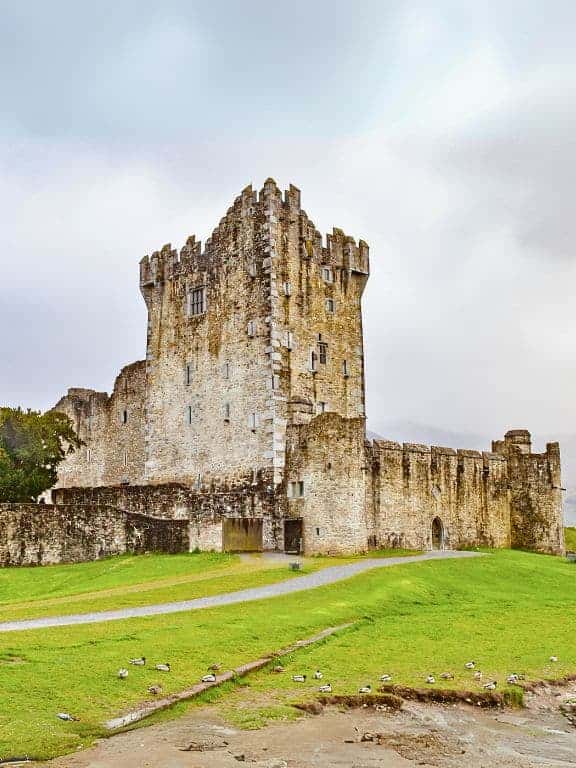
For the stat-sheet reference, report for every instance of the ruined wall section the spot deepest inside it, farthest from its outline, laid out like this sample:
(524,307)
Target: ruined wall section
(205,506)
(46,534)
(209,374)
(414,484)
(328,457)
(535,493)
(112,428)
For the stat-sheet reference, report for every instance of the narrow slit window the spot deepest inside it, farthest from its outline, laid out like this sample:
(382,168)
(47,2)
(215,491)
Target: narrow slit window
(125,458)
(313,361)
(322,407)
(275,381)
(188,374)
(88,455)
(124,416)
(253,422)
(287,288)
(189,414)
(226,411)
(345,371)
(251,328)
(226,370)
(289,340)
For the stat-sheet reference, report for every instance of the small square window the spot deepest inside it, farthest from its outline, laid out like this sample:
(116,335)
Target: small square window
(330,305)
(327,274)
(296,489)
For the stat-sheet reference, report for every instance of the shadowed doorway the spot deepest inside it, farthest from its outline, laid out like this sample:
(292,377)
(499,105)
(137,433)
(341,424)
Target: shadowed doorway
(437,534)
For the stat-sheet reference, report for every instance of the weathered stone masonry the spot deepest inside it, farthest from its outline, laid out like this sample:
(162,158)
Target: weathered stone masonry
(247,418)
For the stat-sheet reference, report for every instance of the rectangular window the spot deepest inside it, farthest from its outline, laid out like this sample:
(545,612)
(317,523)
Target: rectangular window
(330,305)
(189,414)
(327,274)
(251,328)
(345,371)
(188,374)
(322,352)
(251,267)
(275,381)
(226,411)
(287,289)
(296,489)
(197,301)
(124,417)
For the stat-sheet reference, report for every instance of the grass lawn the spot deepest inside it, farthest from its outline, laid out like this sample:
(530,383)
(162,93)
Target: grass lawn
(570,534)
(509,611)
(126,581)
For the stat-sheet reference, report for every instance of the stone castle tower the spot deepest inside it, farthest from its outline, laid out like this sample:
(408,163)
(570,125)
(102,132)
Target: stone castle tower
(248,414)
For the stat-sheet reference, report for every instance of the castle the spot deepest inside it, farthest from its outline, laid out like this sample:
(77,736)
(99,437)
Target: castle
(247,418)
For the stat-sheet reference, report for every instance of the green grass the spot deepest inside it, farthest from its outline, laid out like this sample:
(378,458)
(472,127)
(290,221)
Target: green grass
(128,581)
(508,610)
(570,535)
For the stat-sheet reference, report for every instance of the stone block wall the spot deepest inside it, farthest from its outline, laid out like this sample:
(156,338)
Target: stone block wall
(328,456)
(46,534)
(415,484)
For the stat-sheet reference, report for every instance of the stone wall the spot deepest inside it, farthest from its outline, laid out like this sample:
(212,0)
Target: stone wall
(112,428)
(328,456)
(205,506)
(414,484)
(46,534)
(535,493)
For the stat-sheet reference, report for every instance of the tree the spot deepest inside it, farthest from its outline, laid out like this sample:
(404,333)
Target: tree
(32,444)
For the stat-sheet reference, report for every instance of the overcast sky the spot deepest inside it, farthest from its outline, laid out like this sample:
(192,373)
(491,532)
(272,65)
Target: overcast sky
(443,133)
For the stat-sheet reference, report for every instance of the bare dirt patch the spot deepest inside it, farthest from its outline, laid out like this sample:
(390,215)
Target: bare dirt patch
(420,734)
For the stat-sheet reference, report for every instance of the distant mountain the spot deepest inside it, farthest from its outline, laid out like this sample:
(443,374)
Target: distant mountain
(410,432)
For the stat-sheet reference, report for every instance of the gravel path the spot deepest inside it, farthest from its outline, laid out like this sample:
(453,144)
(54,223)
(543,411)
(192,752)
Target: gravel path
(300,584)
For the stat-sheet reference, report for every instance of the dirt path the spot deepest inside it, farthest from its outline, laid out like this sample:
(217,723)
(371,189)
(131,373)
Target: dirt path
(316,579)
(448,737)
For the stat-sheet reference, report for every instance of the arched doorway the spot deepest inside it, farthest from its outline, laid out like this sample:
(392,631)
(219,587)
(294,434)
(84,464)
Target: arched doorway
(437,534)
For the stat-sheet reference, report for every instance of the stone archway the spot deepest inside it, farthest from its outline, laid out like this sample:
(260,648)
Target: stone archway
(437,534)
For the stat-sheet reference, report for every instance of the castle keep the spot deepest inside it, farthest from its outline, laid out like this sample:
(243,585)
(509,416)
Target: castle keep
(247,418)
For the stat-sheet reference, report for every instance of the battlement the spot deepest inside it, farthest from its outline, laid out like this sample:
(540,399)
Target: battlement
(248,224)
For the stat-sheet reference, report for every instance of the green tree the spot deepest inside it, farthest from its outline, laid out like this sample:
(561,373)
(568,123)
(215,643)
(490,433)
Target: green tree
(32,444)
